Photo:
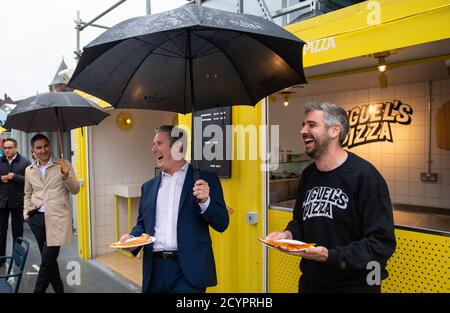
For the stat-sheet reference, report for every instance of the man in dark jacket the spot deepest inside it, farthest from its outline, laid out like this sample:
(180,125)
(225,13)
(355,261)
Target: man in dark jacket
(12,174)
(178,209)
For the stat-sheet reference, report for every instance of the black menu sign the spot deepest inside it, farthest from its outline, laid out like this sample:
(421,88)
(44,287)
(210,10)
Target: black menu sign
(215,140)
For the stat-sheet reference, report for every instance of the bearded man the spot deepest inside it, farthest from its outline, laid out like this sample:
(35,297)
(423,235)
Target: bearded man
(343,205)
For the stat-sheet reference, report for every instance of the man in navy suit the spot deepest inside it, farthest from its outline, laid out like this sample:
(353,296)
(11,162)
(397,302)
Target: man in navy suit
(177,211)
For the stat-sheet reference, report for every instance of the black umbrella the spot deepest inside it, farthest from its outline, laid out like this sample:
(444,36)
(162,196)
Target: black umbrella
(54,111)
(190,58)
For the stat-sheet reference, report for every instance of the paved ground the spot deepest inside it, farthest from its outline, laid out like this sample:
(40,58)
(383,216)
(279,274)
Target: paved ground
(94,277)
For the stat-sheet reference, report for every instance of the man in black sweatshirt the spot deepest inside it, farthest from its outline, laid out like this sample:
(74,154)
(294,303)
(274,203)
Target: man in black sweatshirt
(343,205)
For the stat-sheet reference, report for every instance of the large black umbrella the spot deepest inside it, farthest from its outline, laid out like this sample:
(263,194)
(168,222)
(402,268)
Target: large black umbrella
(54,111)
(189,58)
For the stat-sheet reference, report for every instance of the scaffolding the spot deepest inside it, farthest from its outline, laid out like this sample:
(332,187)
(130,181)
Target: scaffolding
(290,13)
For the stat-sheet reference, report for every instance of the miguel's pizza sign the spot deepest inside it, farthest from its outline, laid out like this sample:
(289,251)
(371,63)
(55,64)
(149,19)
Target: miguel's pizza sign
(372,122)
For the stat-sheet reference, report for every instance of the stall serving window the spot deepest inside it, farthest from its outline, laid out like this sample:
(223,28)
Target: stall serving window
(399,124)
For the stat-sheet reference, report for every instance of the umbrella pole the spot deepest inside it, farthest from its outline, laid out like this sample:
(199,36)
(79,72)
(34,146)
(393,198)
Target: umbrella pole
(191,77)
(59,136)
(60,145)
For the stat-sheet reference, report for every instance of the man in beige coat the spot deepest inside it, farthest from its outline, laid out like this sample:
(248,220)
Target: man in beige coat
(48,184)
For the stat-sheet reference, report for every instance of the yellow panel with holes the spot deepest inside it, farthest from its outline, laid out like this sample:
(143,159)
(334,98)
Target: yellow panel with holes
(284,271)
(420,263)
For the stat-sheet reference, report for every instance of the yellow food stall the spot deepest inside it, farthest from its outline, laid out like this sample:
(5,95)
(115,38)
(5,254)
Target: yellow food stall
(420,262)
(345,48)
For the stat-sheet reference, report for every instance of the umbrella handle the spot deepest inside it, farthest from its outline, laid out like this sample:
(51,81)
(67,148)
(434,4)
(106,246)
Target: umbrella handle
(196,173)
(60,145)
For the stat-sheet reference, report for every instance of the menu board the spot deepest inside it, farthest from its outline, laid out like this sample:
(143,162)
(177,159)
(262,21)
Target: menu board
(216,141)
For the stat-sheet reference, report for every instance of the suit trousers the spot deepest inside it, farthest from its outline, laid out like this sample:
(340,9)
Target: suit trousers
(16,225)
(167,277)
(48,271)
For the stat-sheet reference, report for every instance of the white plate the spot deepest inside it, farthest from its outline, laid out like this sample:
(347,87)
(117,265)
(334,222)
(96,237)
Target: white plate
(297,242)
(152,240)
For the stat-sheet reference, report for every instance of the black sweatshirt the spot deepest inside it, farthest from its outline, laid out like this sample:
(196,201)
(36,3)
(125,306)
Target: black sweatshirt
(347,210)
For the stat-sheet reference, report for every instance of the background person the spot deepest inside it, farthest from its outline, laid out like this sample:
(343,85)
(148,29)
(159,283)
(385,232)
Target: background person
(12,172)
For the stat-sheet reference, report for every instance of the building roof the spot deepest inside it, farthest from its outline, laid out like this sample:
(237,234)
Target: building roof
(57,80)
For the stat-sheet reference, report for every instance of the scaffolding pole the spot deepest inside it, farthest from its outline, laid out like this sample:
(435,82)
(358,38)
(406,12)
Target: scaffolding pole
(80,25)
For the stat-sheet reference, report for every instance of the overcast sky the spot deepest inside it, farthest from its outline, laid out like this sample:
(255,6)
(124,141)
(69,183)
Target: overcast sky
(36,34)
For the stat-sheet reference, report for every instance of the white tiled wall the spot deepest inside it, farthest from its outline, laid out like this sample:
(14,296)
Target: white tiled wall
(120,157)
(400,162)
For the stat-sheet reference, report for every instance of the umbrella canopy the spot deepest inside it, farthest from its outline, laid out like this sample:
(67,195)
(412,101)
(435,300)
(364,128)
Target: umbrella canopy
(54,111)
(189,58)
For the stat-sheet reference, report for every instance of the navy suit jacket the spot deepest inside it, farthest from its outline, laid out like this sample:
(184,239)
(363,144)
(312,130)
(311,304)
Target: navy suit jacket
(194,242)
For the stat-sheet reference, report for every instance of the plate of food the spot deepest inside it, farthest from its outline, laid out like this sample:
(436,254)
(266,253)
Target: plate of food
(134,242)
(287,244)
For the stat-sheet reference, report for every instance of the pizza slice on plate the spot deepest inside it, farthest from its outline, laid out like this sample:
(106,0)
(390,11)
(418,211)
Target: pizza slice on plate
(143,239)
(287,244)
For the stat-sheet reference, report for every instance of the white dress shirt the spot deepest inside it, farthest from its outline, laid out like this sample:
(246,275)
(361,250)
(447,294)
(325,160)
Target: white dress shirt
(42,169)
(167,208)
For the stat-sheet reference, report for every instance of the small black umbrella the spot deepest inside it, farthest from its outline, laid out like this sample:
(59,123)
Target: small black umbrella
(54,111)
(191,58)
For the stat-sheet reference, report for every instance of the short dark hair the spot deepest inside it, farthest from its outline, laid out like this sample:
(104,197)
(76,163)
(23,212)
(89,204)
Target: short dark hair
(175,133)
(38,137)
(12,140)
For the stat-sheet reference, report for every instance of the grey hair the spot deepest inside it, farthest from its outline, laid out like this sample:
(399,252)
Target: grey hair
(175,133)
(333,114)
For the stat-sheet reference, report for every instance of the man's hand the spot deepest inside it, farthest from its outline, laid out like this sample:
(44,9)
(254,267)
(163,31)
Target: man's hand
(10,175)
(201,190)
(280,235)
(124,238)
(4,179)
(319,254)
(64,170)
